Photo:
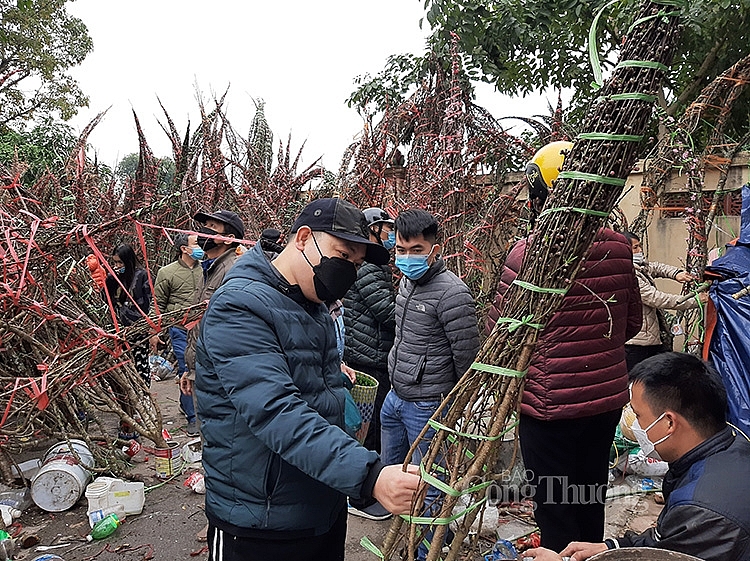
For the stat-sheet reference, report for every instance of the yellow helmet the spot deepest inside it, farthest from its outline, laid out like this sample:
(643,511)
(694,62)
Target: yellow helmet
(544,167)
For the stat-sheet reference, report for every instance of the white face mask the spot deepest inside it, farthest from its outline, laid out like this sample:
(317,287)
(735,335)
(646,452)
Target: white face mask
(641,435)
(638,258)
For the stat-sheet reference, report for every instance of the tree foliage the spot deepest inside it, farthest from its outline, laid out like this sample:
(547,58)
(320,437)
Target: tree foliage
(39,43)
(127,167)
(44,148)
(522,47)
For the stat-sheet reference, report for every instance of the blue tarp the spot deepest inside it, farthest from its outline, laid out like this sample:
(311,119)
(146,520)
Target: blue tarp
(729,349)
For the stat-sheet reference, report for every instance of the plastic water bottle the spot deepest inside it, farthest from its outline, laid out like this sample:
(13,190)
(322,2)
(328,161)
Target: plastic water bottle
(19,499)
(7,546)
(96,516)
(48,557)
(105,527)
(502,549)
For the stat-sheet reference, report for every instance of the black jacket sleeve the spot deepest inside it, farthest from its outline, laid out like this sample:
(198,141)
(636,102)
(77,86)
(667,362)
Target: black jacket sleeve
(696,531)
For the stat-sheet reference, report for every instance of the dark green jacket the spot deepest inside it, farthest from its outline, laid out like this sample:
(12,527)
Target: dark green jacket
(175,285)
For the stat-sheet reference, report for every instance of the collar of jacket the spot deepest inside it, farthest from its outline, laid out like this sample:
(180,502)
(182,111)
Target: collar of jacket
(717,443)
(292,291)
(435,269)
(185,265)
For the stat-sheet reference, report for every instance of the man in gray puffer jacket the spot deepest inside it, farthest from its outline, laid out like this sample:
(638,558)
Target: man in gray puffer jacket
(437,338)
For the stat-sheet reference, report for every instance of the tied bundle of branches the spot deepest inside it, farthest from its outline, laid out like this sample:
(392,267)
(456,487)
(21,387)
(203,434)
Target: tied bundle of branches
(677,151)
(483,405)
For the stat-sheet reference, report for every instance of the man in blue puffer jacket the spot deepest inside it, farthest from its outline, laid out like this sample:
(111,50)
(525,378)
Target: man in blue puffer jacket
(278,462)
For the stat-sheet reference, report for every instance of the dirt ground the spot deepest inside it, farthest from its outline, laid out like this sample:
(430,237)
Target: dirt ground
(173,514)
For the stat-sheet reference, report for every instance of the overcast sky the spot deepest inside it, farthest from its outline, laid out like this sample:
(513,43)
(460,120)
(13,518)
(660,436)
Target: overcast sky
(300,56)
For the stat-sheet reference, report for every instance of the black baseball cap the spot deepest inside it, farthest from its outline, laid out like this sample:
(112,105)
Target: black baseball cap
(342,220)
(228,217)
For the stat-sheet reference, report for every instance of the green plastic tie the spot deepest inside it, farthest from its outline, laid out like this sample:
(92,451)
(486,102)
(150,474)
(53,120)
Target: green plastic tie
(616,181)
(540,289)
(638,96)
(588,211)
(659,14)
(447,489)
(492,369)
(596,66)
(608,136)
(371,547)
(442,521)
(439,426)
(651,64)
(516,323)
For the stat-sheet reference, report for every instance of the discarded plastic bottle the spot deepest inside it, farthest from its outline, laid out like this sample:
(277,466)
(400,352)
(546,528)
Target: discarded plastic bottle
(96,516)
(7,546)
(502,549)
(48,557)
(19,499)
(105,527)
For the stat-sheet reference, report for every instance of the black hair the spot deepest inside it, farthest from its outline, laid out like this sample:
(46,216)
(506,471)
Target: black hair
(130,262)
(414,222)
(686,385)
(631,236)
(179,241)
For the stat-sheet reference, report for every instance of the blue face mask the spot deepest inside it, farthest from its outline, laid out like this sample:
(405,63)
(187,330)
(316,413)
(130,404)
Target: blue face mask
(413,266)
(120,271)
(197,253)
(390,243)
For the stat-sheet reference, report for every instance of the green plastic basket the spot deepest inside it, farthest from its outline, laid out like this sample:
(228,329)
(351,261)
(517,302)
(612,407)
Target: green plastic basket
(364,391)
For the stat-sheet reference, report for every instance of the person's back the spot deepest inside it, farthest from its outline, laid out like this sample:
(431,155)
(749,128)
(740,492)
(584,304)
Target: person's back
(578,368)
(575,388)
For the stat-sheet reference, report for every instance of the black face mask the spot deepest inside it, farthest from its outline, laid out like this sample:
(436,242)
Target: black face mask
(332,277)
(207,244)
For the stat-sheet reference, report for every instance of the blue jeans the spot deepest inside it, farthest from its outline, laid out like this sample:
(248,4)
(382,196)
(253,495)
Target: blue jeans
(179,342)
(400,424)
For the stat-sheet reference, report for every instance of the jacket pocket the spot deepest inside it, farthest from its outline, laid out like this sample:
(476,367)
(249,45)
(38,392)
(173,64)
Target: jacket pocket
(273,473)
(417,372)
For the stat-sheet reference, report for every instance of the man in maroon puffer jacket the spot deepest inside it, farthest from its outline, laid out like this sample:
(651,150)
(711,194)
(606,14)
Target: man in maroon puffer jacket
(576,386)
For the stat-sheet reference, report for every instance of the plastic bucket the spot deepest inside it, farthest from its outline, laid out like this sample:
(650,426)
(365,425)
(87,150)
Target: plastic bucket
(168,461)
(62,479)
(364,391)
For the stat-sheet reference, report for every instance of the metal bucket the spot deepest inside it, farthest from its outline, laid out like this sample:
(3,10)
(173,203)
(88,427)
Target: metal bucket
(62,479)
(641,554)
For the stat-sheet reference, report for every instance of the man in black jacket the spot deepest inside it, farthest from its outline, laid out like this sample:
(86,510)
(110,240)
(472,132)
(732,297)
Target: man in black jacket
(370,328)
(680,405)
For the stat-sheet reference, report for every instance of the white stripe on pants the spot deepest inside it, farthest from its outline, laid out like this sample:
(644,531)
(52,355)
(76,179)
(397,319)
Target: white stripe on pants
(217,547)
